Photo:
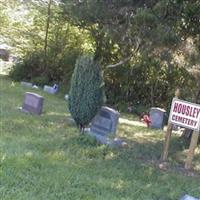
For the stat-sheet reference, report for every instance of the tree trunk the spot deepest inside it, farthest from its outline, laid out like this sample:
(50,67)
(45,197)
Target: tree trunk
(152,95)
(99,45)
(46,35)
(198,97)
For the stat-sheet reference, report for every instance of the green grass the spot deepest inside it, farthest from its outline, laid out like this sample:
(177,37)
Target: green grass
(44,157)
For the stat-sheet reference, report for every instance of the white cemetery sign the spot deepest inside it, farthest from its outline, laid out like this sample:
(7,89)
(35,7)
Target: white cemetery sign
(185,114)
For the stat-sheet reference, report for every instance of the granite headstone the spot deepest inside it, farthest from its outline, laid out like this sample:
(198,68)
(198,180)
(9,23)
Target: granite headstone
(105,122)
(104,125)
(26,84)
(51,90)
(33,103)
(157,117)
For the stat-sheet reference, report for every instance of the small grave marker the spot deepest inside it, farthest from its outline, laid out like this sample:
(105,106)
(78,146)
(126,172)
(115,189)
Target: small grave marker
(33,103)
(51,90)
(157,117)
(104,126)
(26,84)
(105,122)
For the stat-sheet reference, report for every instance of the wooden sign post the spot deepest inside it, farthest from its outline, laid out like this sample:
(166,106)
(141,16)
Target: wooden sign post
(193,145)
(184,114)
(169,133)
(167,142)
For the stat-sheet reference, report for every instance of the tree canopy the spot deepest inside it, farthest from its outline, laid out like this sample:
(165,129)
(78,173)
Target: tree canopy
(146,48)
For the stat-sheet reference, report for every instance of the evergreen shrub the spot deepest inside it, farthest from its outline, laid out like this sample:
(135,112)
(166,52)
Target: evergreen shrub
(86,91)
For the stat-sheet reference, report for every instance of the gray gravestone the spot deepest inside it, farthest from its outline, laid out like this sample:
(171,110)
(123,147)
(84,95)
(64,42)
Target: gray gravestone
(104,125)
(157,117)
(26,84)
(51,90)
(33,103)
(105,122)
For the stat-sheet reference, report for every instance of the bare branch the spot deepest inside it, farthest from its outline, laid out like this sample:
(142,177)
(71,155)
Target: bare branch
(126,59)
(119,63)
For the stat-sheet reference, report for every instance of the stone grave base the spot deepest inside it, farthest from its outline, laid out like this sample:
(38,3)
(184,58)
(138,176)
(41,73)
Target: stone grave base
(187,197)
(51,90)
(23,110)
(26,84)
(111,142)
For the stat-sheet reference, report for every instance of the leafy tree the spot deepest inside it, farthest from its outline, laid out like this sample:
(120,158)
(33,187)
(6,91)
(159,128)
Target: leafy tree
(156,29)
(142,45)
(86,91)
(130,25)
(50,45)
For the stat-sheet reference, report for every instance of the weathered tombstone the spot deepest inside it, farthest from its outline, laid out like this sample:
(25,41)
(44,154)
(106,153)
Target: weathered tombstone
(33,103)
(26,84)
(157,117)
(51,90)
(105,122)
(104,126)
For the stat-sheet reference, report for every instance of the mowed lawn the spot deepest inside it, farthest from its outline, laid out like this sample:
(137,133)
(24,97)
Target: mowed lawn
(44,157)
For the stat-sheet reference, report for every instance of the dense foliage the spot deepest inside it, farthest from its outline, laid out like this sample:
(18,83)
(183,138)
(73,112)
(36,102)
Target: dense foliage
(86,91)
(146,48)
(147,83)
(51,47)
(151,45)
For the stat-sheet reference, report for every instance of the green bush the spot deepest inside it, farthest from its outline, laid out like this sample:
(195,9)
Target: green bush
(40,80)
(86,91)
(58,68)
(29,67)
(18,72)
